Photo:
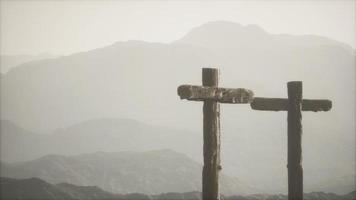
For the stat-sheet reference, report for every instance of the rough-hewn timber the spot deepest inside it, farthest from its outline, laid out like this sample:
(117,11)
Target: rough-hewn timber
(211,146)
(295,170)
(222,95)
(280,104)
(295,104)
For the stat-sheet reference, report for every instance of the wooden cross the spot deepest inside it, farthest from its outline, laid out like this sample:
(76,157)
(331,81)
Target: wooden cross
(211,95)
(295,104)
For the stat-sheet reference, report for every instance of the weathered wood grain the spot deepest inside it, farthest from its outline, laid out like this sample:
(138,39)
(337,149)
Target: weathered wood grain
(316,105)
(295,170)
(222,95)
(280,104)
(211,136)
(269,104)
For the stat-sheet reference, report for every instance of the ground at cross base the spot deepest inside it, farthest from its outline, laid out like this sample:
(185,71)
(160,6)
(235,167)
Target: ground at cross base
(35,188)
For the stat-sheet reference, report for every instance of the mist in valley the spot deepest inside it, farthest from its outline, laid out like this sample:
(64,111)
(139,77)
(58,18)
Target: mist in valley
(111,116)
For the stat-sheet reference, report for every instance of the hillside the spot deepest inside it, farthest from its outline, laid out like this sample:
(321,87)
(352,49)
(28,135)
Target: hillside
(107,135)
(138,80)
(152,172)
(37,189)
(114,135)
(34,188)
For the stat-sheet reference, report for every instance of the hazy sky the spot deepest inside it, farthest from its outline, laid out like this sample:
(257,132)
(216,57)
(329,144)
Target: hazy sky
(32,27)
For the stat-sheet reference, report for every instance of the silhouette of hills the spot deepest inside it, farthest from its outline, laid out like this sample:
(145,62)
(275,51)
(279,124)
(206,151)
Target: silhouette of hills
(138,80)
(151,172)
(107,135)
(34,188)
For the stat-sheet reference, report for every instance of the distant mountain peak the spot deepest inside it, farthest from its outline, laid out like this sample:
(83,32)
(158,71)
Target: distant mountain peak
(223,33)
(222,24)
(226,34)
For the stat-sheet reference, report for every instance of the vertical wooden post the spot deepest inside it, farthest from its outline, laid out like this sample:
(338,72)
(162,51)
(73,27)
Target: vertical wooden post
(295,170)
(211,146)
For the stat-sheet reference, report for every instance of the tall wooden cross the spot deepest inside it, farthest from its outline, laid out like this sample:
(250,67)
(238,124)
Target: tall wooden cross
(295,104)
(212,95)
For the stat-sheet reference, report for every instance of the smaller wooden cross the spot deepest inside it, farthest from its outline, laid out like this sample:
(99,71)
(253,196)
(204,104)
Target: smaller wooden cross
(212,95)
(295,104)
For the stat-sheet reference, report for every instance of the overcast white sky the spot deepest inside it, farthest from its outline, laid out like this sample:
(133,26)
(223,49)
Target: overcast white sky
(32,27)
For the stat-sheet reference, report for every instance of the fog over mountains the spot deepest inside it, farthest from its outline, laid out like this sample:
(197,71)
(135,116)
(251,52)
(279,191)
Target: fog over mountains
(107,135)
(152,172)
(77,101)
(35,188)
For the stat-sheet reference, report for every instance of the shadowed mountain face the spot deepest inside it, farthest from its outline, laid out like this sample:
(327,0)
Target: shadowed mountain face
(37,189)
(138,80)
(30,188)
(151,172)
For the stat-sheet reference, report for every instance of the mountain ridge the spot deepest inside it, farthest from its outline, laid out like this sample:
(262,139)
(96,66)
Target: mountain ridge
(15,188)
(150,172)
(219,28)
(138,55)
(105,134)
(139,81)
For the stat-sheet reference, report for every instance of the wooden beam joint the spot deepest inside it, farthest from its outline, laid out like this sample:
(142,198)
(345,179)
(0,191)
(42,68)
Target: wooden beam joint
(221,95)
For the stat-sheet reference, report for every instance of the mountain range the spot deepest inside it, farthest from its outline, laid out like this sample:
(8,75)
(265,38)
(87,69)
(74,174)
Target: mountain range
(38,189)
(107,135)
(34,188)
(138,80)
(116,135)
(151,172)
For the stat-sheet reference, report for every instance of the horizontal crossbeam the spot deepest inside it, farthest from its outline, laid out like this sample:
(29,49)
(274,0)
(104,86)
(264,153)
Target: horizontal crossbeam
(281,104)
(222,95)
